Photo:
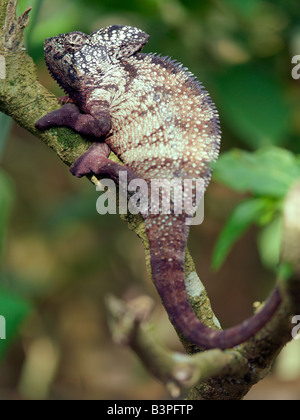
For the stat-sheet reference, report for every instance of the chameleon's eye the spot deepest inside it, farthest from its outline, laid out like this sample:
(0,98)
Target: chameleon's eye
(74,41)
(71,46)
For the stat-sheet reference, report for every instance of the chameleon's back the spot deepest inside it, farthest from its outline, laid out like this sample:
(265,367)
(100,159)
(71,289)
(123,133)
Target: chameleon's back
(164,123)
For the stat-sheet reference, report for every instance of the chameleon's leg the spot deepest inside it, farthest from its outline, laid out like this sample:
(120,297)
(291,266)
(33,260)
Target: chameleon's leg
(95,161)
(69,115)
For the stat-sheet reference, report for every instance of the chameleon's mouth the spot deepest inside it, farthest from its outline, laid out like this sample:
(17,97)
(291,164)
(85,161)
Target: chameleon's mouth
(54,53)
(59,78)
(56,77)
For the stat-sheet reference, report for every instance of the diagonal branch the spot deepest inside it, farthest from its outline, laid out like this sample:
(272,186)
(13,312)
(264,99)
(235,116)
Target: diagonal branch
(129,326)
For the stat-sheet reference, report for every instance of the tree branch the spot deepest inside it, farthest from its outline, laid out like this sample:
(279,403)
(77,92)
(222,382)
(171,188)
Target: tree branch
(129,326)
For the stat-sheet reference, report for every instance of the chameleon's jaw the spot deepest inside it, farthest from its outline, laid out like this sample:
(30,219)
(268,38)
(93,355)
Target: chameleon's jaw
(56,77)
(54,55)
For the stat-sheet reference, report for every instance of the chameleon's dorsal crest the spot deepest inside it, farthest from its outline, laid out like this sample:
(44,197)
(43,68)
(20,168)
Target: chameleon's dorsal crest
(120,41)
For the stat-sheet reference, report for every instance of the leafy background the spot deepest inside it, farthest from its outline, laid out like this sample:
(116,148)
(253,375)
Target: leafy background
(59,259)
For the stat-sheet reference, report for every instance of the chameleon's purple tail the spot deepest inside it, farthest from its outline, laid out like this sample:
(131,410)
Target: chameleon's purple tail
(167,237)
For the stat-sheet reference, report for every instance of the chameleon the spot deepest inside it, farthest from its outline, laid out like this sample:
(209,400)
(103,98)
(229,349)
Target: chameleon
(162,124)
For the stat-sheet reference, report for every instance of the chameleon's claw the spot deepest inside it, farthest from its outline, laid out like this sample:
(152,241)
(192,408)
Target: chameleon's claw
(79,169)
(58,118)
(65,100)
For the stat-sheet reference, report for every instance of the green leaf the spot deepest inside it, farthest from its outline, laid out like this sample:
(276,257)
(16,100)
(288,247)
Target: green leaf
(268,172)
(243,215)
(252,102)
(13,311)
(269,244)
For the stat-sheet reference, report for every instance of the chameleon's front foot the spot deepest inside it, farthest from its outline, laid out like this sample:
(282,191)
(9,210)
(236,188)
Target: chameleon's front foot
(69,115)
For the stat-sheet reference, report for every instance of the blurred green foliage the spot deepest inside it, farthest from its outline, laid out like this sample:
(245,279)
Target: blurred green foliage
(241,50)
(13,308)
(267,175)
(6,193)
(5,124)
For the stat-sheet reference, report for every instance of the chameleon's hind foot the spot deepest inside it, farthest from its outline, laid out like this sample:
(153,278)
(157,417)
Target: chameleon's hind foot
(95,161)
(91,161)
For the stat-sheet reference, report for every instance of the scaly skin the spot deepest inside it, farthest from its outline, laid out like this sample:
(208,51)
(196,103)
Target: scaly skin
(158,119)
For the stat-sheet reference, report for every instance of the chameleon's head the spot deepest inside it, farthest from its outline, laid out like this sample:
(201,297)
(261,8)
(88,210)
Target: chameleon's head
(59,56)
(74,57)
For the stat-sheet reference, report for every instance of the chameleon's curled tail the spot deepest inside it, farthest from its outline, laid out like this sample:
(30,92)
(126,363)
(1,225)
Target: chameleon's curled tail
(167,236)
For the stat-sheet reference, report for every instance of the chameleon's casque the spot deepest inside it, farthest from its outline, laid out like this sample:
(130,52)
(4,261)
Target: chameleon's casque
(158,119)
